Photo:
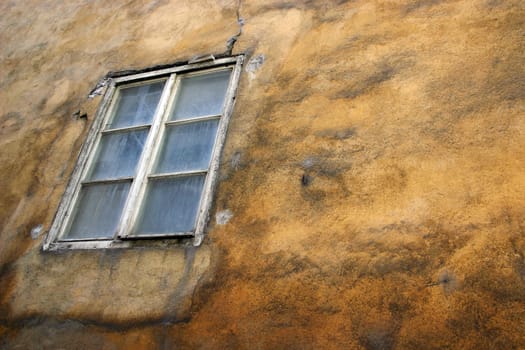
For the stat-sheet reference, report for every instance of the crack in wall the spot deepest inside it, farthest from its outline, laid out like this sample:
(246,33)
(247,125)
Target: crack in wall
(233,39)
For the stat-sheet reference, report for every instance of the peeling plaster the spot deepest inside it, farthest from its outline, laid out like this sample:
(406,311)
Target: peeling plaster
(99,88)
(223,216)
(36,231)
(254,64)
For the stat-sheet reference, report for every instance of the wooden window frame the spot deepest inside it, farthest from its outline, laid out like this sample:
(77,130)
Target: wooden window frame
(123,237)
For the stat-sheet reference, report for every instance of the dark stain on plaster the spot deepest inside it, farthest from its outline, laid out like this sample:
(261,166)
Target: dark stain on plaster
(360,87)
(367,76)
(503,82)
(415,5)
(503,288)
(330,171)
(337,134)
(302,5)
(38,319)
(146,9)
(176,310)
(41,155)
(7,278)
(10,123)
(364,40)
(294,89)
(494,3)
(379,337)
(325,165)
(109,260)
(306,179)
(518,247)
(281,264)
(448,281)
(19,244)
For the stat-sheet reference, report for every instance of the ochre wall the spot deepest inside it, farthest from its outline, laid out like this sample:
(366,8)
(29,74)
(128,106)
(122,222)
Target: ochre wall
(374,167)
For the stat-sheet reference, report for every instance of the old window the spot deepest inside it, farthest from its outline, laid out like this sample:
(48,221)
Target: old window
(149,164)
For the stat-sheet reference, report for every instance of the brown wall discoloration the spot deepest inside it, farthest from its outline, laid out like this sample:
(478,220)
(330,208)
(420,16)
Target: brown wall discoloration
(374,167)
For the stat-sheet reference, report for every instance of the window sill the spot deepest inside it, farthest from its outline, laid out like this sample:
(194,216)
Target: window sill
(183,241)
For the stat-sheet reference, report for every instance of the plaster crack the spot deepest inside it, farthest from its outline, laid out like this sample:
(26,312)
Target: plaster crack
(233,39)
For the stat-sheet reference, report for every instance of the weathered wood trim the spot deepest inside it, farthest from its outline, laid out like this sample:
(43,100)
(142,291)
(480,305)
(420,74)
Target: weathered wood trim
(141,242)
(177,69)
(126,129)
(178,174)
(107,181)
(193,120)
(211,179)
(66,204)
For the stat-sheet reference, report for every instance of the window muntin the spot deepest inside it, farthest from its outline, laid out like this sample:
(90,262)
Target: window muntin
(151,166)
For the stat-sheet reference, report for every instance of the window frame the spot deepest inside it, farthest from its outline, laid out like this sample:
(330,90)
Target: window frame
(157,130)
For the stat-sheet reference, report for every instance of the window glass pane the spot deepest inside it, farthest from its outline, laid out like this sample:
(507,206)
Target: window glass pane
(201,95)
(171,205)
(98,211)
(136,105)
(118,154)
(187,147)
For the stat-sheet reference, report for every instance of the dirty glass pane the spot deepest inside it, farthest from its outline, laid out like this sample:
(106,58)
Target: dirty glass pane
(201,95)
(136,105)
(187,147)
(98,211)
(171,205)
(118,154)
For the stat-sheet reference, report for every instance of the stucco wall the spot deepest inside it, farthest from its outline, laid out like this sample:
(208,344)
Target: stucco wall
(374,167)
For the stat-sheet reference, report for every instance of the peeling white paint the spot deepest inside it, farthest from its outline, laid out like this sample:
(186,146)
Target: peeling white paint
(236,160)
(99,89)
(223,217)
(254,64)
(36,231)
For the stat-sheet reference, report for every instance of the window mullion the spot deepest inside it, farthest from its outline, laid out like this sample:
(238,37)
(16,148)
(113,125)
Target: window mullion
(148,155)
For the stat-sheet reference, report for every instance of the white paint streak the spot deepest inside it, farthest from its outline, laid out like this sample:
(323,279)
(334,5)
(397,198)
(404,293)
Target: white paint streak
(254,64)
(35,231)
(223,217)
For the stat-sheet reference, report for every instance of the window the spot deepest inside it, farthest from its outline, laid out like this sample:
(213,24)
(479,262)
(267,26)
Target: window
(149,164)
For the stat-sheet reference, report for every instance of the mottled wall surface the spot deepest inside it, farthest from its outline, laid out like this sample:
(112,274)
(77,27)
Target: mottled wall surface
(372,188)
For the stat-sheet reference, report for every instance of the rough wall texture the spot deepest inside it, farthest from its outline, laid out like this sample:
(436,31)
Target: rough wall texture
(374,168)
